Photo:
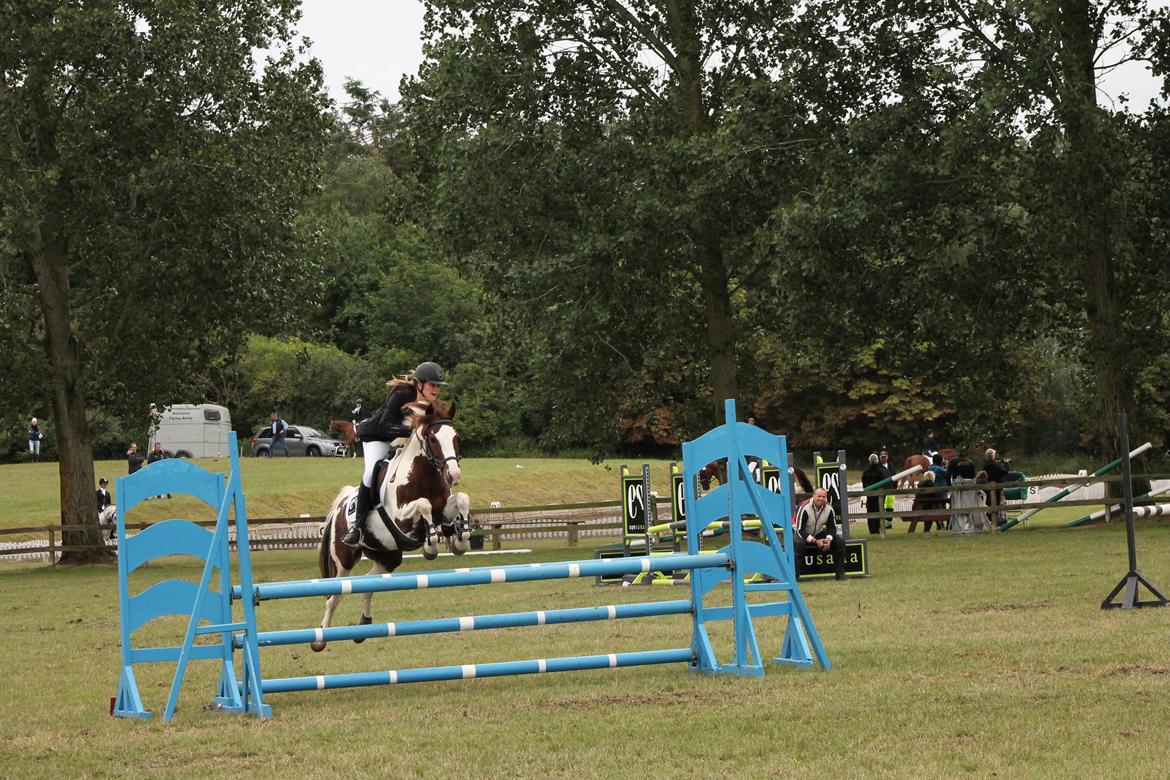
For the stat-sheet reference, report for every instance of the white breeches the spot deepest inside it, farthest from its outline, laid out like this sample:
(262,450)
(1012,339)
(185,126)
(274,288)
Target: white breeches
(373,451)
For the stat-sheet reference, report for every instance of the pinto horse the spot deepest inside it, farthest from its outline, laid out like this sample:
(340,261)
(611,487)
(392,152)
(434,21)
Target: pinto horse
(345,427)
(415,492)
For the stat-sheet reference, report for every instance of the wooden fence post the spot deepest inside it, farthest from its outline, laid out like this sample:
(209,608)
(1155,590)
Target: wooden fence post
(573,537)
(52,546)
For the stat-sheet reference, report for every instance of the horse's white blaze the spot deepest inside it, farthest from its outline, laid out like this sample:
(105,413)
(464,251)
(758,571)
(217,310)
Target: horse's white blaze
(466,623)
(468,671)
(574,570)
(612,611)
(612,660)
(445,435)
(320,682)
(499,575)
(540,618)
(423,581)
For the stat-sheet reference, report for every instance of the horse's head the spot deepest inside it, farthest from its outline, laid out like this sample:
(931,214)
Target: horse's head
(333,426)
(438,437)
(716,469)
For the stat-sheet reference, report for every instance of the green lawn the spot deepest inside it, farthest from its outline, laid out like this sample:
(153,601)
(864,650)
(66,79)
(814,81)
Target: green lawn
(981,656)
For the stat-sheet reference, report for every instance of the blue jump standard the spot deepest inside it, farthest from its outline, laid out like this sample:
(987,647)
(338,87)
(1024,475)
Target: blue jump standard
(484,576)
(303,636)
(468,671)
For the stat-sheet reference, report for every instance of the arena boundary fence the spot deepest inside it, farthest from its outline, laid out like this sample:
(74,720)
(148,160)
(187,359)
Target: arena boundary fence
(210,611)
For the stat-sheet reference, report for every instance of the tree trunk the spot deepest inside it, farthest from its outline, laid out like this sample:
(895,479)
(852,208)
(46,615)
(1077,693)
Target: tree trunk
(1090,194)
(713,276)
(61,350)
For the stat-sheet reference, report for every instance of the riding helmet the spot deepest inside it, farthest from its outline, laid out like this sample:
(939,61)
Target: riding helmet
(429,372)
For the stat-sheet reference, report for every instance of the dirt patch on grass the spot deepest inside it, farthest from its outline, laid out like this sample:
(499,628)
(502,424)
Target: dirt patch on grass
(657,699)
(982,608)
(1136,671)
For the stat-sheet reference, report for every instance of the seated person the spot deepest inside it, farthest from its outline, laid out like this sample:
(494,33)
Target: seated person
(816,531)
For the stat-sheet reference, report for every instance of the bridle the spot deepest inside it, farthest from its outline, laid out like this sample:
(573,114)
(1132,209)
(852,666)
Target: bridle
(439,464)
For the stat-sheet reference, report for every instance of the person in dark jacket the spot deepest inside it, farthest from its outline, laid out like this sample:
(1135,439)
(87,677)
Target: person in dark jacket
(34,440)
(134,459)
(379,431)
(873,474)
(997,469)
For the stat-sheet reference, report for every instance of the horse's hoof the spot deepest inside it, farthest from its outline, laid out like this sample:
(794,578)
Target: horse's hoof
(458,546)
(317,646)
(465,536)
(430,551)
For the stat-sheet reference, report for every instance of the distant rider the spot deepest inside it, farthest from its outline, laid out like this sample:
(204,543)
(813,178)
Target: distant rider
(388,424)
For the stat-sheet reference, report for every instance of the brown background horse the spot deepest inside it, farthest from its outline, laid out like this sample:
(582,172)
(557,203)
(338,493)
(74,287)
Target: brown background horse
(345,427)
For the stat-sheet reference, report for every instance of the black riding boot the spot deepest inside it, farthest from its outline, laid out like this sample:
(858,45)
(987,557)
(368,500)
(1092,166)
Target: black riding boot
(365,504)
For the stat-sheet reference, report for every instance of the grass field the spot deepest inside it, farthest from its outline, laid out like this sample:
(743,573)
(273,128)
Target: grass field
(980,656)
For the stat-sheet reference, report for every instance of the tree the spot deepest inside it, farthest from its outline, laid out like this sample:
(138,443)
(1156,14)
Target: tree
(152,173)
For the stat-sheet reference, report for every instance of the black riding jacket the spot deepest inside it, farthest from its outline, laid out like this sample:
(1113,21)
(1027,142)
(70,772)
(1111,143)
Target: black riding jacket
(387,424)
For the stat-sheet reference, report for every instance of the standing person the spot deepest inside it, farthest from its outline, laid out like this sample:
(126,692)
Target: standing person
(34,440)
(997,470)
(157,454)
(873,474)
(134,459)
(816,531)
(889,502)
(279,427)
(386,425)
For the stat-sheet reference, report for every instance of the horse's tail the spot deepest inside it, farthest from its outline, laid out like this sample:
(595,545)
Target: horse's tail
(806,485)
(325,562)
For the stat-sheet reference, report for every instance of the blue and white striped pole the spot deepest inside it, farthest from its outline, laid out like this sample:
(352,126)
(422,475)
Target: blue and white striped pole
(469,671)
(487,576)
(475,623)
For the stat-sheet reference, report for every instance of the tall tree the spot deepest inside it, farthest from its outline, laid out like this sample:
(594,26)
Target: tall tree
(152,171)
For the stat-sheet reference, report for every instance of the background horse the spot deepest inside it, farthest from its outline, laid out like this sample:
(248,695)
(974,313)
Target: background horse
(345,427)
(717,469)
(413,496)
(947,453)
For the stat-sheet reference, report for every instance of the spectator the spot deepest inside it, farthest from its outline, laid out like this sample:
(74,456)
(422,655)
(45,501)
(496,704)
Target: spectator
(279,427)
(134,459)
(816,531)
(155,456)
(155,416)
(34,440)
(939,470)
(927,501)
(872,475)
(889,501)
(359,413)
(929,445)
(106,510)
(997,469)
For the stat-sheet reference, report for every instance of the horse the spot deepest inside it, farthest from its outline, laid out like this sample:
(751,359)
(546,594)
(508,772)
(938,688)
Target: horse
(345,427)
(419,487)
(947,453)
(717,469)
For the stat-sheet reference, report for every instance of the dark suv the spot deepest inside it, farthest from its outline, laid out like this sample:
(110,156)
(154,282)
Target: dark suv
(301,440)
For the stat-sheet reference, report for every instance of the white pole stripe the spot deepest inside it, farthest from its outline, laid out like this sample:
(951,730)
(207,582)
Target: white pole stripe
(612,610)
(422,581)
(540,618)
(463,570)
(499,575)
(612,660)
(319,635)
(574,570)
(466,623)
(542,665)
(346,586)
(393,677)
(391,629)
(468,671)
(645,564)
(320,682)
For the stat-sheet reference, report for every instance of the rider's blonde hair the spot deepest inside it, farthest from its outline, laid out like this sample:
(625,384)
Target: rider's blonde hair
(399,381)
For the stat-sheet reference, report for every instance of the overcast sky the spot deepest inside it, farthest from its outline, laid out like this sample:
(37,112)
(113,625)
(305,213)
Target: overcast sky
(377,42)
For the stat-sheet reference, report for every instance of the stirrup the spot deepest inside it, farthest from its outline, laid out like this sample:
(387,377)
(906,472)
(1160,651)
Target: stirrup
(353,537)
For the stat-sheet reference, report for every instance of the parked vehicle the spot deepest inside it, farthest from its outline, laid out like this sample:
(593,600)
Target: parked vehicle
(301,440)
(193,431)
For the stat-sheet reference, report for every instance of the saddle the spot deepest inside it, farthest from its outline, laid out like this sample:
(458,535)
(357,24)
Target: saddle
(405,542)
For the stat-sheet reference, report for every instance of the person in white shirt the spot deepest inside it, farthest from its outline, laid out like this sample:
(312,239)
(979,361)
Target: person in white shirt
(816,531)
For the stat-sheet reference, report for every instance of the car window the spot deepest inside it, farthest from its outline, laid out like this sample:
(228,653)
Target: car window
(293,433)
(264,433)
(312,432)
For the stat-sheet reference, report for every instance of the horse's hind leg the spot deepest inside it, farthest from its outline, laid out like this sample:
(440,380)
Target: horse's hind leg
(367,599)
(344,559)
(455,515)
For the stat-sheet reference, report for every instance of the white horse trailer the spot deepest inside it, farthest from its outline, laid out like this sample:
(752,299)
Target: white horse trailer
(193,430)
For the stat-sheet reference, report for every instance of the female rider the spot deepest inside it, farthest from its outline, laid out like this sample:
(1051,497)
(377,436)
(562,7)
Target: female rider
(386,425)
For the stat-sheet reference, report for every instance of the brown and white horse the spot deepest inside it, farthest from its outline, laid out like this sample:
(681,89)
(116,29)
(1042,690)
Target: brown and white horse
(345,427)
(418,503)
(717,469)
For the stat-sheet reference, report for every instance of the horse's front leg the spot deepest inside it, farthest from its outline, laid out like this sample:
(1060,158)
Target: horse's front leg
(419,511)
(456,512)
